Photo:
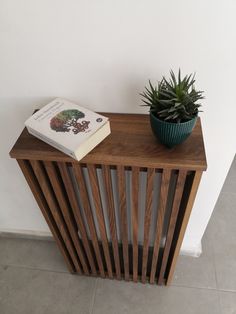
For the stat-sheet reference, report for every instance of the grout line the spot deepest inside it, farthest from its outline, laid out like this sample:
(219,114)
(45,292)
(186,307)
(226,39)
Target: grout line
(96,282)
(202,288)
(93,297)
(66,272)
(226,192)
(192,287)
(35,268)
(219,301)
(46,270)
(215,273)
(224,290)
(214,263)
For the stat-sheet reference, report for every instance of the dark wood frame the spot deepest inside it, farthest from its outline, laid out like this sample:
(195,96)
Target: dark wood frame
(131,146)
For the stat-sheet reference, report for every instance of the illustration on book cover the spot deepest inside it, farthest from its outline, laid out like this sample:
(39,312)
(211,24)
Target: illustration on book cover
(67,120)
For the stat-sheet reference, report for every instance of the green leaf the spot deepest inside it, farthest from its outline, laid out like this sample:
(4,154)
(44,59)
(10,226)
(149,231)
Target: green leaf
(179,76)
(147,103)
(173,77)
(152,88)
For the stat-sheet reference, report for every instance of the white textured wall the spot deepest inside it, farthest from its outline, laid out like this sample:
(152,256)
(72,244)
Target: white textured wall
(100,54)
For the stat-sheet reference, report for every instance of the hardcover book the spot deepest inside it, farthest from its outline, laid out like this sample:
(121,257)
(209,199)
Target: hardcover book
(72,129)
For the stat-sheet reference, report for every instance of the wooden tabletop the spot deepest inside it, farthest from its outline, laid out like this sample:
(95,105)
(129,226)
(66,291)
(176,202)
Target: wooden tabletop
(130,143)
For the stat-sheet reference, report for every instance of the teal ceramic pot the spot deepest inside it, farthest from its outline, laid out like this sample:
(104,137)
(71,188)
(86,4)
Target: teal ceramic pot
(171,134)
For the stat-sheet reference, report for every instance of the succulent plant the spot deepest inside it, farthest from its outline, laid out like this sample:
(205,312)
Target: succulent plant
(175,100)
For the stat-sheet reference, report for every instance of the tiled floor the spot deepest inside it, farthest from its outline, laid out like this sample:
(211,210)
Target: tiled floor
(33,278)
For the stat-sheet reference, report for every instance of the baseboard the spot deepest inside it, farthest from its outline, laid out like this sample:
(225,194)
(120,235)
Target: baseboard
(26,234)
(188,250)
(191,250)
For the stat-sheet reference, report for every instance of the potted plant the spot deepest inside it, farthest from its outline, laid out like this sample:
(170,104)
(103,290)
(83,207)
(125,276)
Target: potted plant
(174,108)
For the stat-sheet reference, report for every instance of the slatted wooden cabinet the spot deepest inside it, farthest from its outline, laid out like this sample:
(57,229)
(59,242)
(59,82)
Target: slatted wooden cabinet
(122,211)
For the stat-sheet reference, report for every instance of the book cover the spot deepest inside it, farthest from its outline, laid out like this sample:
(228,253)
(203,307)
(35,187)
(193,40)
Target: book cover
(68,127)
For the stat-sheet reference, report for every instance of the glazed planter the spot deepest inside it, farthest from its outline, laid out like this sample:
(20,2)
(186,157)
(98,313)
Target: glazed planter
(171,134)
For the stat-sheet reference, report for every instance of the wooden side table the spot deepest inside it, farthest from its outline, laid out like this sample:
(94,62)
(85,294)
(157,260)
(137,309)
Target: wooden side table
(101,210)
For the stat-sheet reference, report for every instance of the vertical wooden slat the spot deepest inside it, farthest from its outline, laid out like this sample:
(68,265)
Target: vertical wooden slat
(147,220)
(89,216)
(38,195)
(77,213)
(112,218)
(123,218)
(135,196)
(191,199)
(171,228)
(165,180)
(57,188)
(100,217)
(48,194)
